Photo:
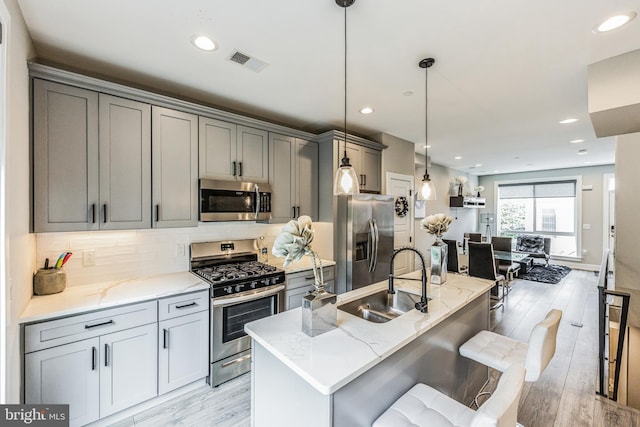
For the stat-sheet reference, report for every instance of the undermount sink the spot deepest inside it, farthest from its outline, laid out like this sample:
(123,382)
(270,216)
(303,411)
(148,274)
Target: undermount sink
(378,308)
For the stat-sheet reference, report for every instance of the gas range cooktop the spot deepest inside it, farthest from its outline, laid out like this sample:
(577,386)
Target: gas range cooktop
(231,268)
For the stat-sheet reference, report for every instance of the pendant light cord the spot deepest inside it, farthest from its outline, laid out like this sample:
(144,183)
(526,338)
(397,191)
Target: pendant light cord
(426,121)
(345,82)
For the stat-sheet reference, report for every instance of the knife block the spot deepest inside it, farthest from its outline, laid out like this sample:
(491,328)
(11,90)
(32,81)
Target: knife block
(49,281)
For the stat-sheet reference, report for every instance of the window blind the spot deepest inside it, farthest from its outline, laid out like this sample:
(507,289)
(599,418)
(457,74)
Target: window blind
(538,190)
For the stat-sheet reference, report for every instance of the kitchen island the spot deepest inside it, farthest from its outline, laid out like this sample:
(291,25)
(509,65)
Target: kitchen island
(350,375)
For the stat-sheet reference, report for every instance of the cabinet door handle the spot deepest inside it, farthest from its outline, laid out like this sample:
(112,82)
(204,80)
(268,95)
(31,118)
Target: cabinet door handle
(191,304)
(157,213)
(105,212)
(240,164)
(106,355)
(365,179)
(93,213)
(94,357)
(294,212)
(310,278)
(298,209)
(165,338)
(109,322)
(234,168)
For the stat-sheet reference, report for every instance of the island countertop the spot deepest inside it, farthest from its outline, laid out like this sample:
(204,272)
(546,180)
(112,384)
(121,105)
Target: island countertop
(329,361)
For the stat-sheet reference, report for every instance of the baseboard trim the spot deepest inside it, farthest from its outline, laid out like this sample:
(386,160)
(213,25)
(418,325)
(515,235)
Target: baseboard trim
(576,265)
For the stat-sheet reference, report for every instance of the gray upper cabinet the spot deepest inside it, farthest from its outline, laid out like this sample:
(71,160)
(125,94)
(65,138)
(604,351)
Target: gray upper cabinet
(65,155)
(91,160)
(174,168)
(370,168)
(293,166)
(125,169)
(232,152)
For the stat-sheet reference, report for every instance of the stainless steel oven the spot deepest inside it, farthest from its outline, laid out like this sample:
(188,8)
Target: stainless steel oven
(242,290)
(234,201)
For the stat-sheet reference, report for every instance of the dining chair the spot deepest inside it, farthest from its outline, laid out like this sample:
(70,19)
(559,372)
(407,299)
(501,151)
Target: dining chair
(508,268)
(425,406)
(500,352)
(453,257)
(473,237)
(482,264)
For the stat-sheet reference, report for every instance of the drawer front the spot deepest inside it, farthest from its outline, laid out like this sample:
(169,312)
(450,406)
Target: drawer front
(305,278)
(70,329)
(184,304)
(293,297)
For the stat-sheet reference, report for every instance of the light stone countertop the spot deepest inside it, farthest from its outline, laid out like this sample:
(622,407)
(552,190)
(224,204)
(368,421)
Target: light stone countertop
(331,360)
(303,264)
(82,299)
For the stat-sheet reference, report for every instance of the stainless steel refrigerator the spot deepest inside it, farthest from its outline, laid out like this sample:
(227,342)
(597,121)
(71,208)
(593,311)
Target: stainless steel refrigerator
(363,242)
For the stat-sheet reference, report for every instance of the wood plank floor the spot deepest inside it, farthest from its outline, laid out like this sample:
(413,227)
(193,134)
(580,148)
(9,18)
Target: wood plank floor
(563,397)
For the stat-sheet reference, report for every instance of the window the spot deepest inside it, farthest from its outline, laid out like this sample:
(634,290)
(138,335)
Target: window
(548,208)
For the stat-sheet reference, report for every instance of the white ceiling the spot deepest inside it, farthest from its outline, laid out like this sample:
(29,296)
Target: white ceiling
(506,71)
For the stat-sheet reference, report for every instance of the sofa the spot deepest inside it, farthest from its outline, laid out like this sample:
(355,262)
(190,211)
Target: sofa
(535,246)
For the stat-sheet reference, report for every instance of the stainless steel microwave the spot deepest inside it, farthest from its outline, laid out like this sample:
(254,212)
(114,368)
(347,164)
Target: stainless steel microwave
(234,201)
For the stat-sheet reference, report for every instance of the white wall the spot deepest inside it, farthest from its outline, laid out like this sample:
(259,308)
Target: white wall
(465,219)
(20,245)
(592,202)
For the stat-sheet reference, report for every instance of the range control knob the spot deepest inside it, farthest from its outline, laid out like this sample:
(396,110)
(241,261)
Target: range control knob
(266,282)
(274,280)
(253,284)
(239,288)
(228,290)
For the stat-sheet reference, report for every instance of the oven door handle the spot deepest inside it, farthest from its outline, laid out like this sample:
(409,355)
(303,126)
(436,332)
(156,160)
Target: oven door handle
(260,293)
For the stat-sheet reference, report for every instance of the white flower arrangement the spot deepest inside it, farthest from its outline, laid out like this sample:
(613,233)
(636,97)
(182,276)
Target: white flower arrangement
(294,242)
(461,179)
(479,189)
(436,224)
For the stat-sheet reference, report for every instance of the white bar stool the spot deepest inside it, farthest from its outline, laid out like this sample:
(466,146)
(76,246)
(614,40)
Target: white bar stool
(426,406)
(500,352)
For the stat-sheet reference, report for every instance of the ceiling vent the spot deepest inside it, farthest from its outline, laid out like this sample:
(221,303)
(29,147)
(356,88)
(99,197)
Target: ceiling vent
(247,61)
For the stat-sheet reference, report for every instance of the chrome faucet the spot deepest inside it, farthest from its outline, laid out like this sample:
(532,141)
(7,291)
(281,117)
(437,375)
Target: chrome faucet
(422,305)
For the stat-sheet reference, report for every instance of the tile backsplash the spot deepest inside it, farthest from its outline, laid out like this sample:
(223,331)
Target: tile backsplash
(130,254)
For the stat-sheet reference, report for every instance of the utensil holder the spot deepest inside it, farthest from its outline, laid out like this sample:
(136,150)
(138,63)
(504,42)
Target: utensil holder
(49,281)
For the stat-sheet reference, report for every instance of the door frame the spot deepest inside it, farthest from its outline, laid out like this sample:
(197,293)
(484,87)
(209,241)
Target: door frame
(5,22)
(607,218)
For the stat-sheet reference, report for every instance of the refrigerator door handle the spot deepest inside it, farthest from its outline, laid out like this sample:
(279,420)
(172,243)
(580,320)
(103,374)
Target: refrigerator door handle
(377,241)
(371,245)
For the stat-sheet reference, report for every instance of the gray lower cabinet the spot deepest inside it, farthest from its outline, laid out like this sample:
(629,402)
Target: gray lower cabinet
(232,152)
(106,361)
(128,368)
(293,173)
(183,340)
(91,160)
(174,168)
(68,374)
(300,284)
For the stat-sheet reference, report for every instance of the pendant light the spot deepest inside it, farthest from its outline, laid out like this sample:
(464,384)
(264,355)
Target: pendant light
(346,179)
(427,189)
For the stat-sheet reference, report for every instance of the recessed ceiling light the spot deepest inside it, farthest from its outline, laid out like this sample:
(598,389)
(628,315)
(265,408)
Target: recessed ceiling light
(529,164)
(496,171)
(567,121)
(204,43)
(516,157)
(366,110)
(408,93)
(614,22)
(457,157)
(478,165)
(587,163)
(582,151)
(576,141)
(426,146)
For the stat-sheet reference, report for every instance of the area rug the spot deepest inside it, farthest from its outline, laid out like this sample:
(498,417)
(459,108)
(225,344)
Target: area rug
(546,274)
